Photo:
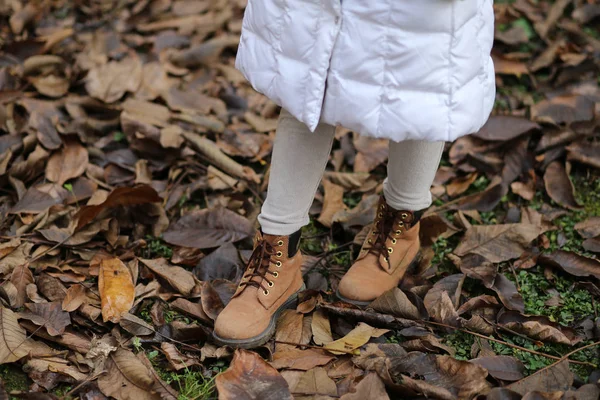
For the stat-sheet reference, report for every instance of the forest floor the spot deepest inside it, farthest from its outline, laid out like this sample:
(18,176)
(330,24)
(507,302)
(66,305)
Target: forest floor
(134,160)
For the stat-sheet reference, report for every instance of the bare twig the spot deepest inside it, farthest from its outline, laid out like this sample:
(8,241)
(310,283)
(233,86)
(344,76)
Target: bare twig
(514,346)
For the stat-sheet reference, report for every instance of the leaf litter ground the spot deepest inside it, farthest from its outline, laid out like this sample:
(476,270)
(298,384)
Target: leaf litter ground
(134,160)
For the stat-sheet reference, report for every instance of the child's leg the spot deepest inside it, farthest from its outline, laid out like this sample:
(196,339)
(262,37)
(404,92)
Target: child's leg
(297,165)
(411,169)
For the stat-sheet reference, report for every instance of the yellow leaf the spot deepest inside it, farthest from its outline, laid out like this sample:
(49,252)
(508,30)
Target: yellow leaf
(116,289)
(355,338)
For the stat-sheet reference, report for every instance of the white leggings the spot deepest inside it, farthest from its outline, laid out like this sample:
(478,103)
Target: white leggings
(299,160)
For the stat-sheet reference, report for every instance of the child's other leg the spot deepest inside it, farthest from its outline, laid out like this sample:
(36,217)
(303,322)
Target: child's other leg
(297,165)
(411,169)
(392,245)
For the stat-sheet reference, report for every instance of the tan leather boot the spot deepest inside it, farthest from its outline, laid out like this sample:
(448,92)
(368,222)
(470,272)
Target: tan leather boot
(390,248)
(270,284)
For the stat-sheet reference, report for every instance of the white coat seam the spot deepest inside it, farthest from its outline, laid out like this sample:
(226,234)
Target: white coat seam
(450,71)
(277,48)
(385,57)
(482,66)
(311,66)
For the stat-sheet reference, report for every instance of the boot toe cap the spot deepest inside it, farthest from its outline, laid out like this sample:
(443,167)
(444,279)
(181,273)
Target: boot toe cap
(360,287)
(239,325)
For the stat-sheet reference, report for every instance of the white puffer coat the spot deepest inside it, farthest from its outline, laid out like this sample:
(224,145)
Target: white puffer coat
(397,69)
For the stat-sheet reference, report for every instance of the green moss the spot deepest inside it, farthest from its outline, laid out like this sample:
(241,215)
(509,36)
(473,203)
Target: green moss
(461,343)
(157,248)
(311,238)
(14,378)
(535,289)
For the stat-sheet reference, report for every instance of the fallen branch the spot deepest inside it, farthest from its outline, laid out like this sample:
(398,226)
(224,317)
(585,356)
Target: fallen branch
(351,352)
(372,318)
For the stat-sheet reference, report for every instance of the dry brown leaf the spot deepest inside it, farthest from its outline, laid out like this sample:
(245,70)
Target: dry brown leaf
(571,263)
(21,277)
(300,359)
(538,327)
(289,329)
(13,341)
(505,368)
(559,186)
(498,243)
(371,387)
(332,203)
(400,304)
(250,377)
(109,82)
(321,328)
(315,382)
(116,289)
(70,162)
(180,279)
(48,315)
(556,377)
(178,360)
(208,228)
(127,378)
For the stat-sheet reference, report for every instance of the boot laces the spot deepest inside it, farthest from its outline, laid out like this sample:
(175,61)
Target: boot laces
(389,224)
(258,266)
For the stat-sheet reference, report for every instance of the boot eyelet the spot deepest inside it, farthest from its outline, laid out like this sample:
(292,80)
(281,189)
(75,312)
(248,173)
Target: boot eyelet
(370,241)
(280,243)
(380,215)
(266,292)
(400,223)
(390,250)
(398,232)
(394,241)
(279,254)
(275,274)
(278,264)
(404,215)
(270,283)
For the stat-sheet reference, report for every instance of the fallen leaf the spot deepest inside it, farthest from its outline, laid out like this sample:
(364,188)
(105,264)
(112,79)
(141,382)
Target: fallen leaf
(371,387)
(321,328)
(554,378)
(178,360)
(250,377)
(74,298)
(507,291)
(109,82)
(559,186)
(116,289)
(460,379)
(68,163)
(135,325)
(208,228)
(538,327)
(48,315)
(315,382)
(211,302)
(300,359)
(589,228)
(13,341)
(21,277)
(288,329)
(571,263)
(505,127)
(123,196)
(584,152)
(505,368)
(127,378)
(400,304)
(179,278)
(498,243)
(354,339)
(332,203)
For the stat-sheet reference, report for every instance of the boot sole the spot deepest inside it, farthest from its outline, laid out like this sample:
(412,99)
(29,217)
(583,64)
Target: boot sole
(263,337)
(413,264)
